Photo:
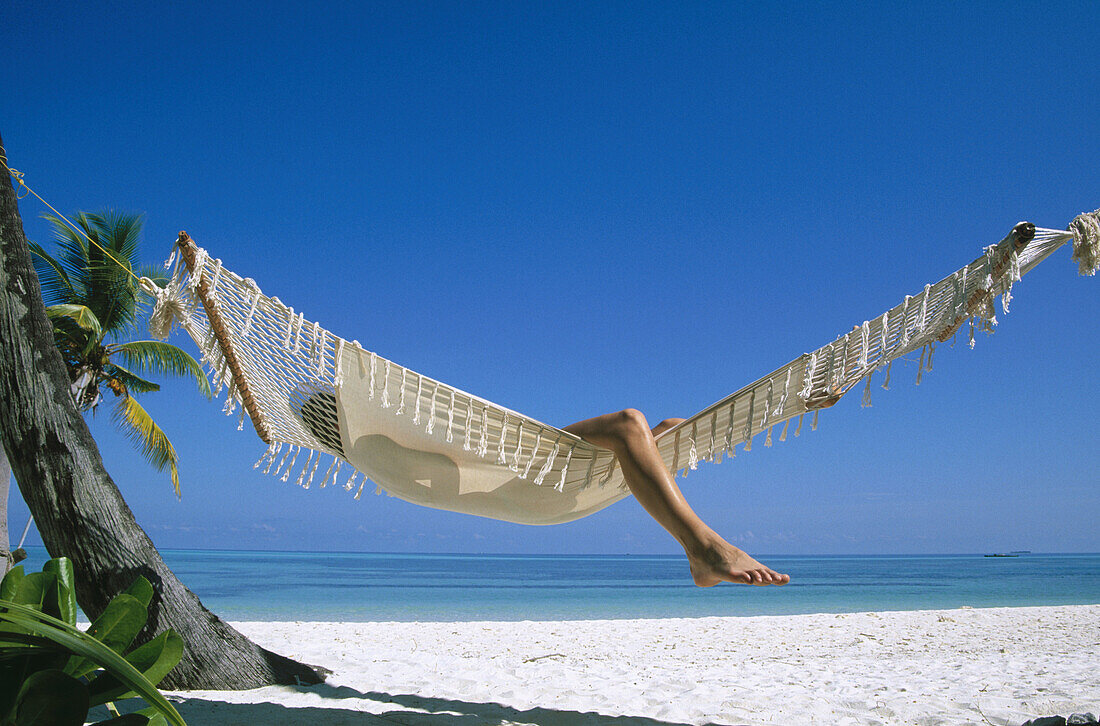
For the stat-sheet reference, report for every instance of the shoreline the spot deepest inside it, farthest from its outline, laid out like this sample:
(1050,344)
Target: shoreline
(999,665)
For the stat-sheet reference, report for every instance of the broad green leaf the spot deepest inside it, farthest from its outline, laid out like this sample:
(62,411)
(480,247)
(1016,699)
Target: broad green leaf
(142,590)
(10,583)
(116,627)
(51,698)
(38,590)
(83,645)
(62,568)
(154,660)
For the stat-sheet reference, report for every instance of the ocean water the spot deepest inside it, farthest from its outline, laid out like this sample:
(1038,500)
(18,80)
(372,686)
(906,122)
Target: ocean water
(324,586)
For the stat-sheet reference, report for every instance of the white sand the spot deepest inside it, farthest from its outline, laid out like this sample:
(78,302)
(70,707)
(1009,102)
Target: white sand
(985,666)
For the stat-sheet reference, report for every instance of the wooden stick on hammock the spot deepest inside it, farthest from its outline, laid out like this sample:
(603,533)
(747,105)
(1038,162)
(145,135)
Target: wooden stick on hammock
(188,249)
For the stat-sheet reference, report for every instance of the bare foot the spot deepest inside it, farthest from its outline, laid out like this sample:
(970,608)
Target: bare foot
(722,562)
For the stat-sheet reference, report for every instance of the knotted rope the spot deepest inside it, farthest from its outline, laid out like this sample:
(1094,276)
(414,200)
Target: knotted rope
(1086,241)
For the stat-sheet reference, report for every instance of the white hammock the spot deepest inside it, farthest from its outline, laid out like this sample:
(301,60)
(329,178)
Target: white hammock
(320,401)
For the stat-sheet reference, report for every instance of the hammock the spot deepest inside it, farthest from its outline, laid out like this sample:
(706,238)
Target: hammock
(326,405)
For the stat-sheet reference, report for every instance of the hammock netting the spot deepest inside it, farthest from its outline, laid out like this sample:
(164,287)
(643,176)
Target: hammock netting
(335,413)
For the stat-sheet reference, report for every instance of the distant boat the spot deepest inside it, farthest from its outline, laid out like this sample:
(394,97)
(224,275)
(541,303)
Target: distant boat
(1004,554)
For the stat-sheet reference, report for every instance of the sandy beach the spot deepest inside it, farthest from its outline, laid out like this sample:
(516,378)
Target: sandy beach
(997,666)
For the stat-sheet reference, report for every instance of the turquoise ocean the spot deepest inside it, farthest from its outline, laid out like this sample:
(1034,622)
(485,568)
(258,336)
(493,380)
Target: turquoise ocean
(348,586)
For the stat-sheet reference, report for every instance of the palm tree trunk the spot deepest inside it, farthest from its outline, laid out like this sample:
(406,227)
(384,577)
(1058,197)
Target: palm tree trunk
(77,507)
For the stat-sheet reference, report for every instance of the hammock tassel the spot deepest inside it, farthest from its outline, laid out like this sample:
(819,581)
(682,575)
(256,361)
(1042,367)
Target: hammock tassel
(924,309)
(289,329)
(252,308)
(886,381)
(768,439)
(713,433)
(271,461)
(416,411)
(359,492)
(514,466)
(451,418)
(270,451)
(905,322)
(1086,242)
(798,429)
(351,481)
(546,467)
(386,388)
(808,383)
(298,333)
(467,443)
(501,459)
(693,452)
(401,398)
(534,453)
(786,391)
(783,433)
(431,411)
(302,476)
(286,473)
(866,402)
(483,439)
(313,470)
(864,343)
(920,365)
(328,474)
(813,423)
(338,364)
(560,486)
(748,422)
(588,474)
(370,395)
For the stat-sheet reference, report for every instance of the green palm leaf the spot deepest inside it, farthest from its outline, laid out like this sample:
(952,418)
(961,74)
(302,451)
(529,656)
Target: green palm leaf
(79,314)
(147,437)
(53,278)
(133,382)
(154,356)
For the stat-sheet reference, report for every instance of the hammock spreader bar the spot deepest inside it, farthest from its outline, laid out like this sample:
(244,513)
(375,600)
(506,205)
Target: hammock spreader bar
(422,440)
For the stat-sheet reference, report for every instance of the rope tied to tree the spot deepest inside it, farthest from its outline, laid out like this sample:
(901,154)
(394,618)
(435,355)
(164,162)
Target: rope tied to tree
(1086,241)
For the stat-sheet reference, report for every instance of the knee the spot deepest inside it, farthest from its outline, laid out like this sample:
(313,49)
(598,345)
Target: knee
(630,422)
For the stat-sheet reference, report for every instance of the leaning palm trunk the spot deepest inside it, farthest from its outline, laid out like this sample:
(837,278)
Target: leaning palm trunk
(77,507)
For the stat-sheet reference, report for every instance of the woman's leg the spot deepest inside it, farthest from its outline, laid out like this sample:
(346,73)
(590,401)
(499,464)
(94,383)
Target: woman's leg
(711,558)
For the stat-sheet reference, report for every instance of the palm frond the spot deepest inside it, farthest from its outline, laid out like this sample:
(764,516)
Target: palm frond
(133,382)
(104,265)
(54,279)
(79,314)
(154,356)
(147,437)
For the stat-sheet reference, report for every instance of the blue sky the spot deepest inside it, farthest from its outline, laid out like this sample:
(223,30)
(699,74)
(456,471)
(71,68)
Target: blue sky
(573,208)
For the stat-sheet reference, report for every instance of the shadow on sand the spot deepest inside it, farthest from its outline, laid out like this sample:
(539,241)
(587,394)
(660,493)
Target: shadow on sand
(386,708)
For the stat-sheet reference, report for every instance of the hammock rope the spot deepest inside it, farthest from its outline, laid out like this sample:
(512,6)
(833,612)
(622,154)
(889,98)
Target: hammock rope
(315,394)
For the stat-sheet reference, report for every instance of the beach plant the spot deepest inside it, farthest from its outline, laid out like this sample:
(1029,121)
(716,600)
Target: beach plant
(94,301)
(52,673)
